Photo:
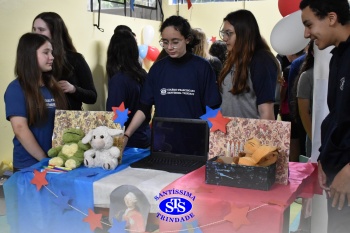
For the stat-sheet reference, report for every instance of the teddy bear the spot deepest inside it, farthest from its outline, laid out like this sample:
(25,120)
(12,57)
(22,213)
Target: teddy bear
(71,153)
(102,153)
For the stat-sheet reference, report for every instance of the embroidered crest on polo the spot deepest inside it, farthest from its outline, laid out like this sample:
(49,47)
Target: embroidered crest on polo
(342,82)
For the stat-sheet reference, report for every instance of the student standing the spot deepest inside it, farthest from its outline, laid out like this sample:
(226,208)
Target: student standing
(31,100)
(327,23)
(180,85)
(125,80)
(70,68)
(248,79)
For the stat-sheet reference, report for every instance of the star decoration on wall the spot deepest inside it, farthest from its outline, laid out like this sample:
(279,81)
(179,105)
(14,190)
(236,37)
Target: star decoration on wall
(219,122)
(238,216)
(39,179)
(120,108)
(117,227)
(94,220)
(209,113)
(191,227)
(213,39)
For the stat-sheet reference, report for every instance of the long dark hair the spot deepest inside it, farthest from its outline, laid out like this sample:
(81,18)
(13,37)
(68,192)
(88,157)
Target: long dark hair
(248,41)
(307,64)
(123,56)
(183,26)
(29,75)
(61,42)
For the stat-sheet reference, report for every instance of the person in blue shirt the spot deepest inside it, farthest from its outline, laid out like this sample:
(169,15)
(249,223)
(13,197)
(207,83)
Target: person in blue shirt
(248,78)
(125,80)
(180,85)
(31,100)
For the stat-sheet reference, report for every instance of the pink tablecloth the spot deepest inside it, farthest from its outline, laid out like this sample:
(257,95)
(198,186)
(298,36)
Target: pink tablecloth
(213,204)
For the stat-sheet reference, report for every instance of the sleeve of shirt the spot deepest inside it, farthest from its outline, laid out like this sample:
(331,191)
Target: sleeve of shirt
(116,92)
(304,87)
(263,71)
(15,103)
(85,91)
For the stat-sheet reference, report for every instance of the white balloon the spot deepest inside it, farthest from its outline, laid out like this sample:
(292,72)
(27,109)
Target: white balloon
(147,34)
(287,37)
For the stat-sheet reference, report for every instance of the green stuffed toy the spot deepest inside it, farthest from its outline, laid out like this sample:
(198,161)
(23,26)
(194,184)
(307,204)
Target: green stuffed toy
(71,154)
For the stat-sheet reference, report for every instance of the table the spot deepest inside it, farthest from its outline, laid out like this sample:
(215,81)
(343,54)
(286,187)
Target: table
(229,209)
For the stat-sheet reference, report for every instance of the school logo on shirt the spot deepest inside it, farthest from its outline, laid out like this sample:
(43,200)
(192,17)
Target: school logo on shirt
(176,205)
(50,103)
(342,82)
(175,91)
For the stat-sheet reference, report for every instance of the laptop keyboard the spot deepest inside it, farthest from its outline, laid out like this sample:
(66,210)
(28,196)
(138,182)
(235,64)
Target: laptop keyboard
(173,162)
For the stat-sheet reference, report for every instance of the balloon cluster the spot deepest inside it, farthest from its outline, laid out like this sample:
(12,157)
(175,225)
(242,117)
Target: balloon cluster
(146,50)
(287,37)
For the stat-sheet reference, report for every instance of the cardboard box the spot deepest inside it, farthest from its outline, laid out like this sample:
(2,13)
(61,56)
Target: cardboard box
(249,177)
(268,132)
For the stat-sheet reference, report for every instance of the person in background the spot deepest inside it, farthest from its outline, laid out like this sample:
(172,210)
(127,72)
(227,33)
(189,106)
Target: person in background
(248,78)
(284,62)
(70,68)
(122,28)
(31,100)
(327,23)
(180,85)
(201,50)
(218,49)
(297,145)
(125,80)
(303,89)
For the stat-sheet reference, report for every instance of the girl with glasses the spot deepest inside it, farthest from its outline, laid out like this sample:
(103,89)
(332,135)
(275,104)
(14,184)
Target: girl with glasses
(180,85)
(248,78)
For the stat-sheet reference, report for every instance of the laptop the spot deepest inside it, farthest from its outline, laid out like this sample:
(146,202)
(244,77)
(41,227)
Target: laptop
(178,145)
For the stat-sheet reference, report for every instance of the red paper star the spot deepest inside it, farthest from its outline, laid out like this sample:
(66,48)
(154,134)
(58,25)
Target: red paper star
(238,216)
(39,179)
(213,39)
(94,220)
(219,122)
(120,108)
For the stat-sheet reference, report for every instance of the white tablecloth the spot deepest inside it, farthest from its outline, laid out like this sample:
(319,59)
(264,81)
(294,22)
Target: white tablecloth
(149,181)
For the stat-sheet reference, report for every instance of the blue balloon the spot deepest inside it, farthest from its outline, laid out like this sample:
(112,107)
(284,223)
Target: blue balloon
(143,49)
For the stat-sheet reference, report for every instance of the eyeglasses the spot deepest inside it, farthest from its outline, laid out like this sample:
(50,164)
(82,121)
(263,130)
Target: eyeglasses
(173,45)
(226,33)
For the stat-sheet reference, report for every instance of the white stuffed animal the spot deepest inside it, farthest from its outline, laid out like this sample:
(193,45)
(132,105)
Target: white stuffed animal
(102,152)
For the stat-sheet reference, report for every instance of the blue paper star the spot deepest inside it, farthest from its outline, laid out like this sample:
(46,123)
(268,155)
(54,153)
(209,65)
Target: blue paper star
(192,227)
(122,117)
(210,113)
(117,227)
(62,201)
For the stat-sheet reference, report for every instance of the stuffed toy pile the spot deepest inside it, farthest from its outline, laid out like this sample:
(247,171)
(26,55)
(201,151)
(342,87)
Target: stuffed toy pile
(256,154)
(102,153)
(71,153)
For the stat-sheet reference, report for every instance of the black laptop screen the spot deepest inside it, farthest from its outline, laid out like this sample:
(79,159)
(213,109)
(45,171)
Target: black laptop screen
(180,136)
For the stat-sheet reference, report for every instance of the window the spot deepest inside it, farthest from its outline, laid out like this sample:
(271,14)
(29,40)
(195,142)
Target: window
(144,9)
(174,2)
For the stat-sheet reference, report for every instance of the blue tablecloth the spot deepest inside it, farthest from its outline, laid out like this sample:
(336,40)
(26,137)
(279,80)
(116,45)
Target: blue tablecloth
(29,210)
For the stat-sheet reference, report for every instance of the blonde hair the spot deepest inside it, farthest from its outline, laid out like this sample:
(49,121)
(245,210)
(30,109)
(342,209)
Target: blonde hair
(201,49)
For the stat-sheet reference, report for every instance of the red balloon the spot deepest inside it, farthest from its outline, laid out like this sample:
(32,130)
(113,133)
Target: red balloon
(152,53)
(287,7)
